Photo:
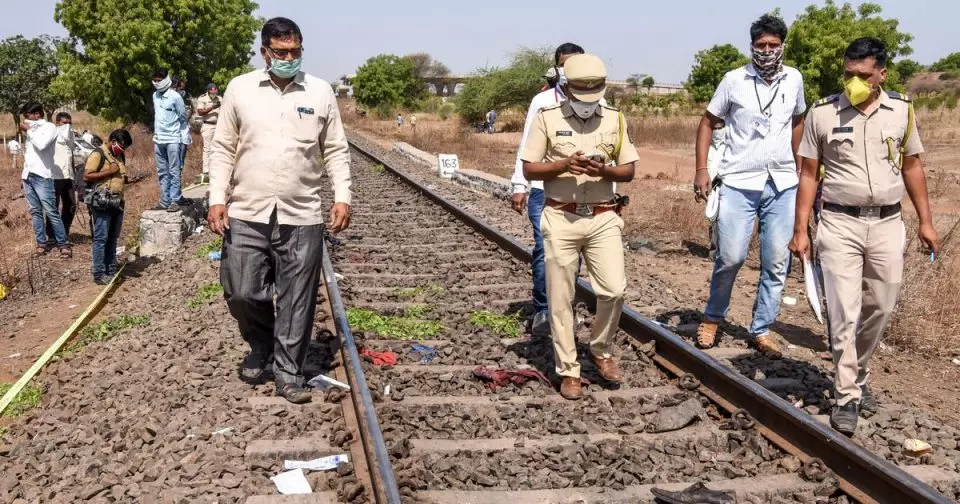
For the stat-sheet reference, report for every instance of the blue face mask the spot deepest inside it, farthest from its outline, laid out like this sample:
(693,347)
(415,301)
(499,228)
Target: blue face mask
(285,69)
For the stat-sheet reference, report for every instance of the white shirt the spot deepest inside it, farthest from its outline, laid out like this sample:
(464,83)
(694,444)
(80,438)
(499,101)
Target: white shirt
(759,145)
(544,99)
(38,158)
(63,153)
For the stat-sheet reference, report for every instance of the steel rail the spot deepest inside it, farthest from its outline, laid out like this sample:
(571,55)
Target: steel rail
(384,480)
(861,474)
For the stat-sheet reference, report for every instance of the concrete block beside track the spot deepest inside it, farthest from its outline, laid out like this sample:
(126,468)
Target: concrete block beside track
(162,232)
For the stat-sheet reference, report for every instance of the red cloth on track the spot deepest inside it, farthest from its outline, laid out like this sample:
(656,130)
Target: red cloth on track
(380,358)
(501,377)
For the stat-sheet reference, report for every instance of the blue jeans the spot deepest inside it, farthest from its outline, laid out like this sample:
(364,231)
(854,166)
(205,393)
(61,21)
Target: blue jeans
(168,171)
(42,200)
(534,209)
(738,209)
(106,231)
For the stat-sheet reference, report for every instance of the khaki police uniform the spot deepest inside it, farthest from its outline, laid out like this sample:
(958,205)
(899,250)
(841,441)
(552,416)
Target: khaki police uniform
(556,134)
(861,237)
(208,127)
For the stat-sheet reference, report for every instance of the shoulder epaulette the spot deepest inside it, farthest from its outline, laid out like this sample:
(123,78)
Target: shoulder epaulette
(551,107)
(827,100)
(898,96)
(610,107)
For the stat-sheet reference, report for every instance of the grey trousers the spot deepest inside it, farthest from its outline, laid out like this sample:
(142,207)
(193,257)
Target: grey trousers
(260,260)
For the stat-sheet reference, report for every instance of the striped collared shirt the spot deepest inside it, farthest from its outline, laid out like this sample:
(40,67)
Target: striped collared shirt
(759,133)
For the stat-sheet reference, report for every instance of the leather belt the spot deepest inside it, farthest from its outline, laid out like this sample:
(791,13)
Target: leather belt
(583,209)
(205,122)
(881,212)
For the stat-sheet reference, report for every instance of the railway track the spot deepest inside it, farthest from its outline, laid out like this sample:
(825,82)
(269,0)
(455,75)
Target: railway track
(158,414)
(413,263)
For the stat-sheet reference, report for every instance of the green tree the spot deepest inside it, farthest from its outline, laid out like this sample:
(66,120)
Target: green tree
(387,80)
(709,68)
(504,88)
(819,35)
(951,63)
(649,82)
(117,44)
(635,81)
(27,67)
(907,68)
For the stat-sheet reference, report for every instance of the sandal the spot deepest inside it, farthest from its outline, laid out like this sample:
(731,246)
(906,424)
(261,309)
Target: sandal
(66,253)
(707,334)
(41,251)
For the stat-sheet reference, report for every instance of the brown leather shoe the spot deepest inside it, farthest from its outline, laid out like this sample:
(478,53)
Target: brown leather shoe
(570,388)
(768,346)
(707,334)
(608,369)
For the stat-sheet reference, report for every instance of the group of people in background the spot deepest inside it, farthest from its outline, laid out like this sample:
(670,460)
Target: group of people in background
(52,181)
(762,159)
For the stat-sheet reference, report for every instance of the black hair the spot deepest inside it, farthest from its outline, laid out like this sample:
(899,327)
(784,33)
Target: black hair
(564,49)
(122,137)
(768,24)
(32,108)
(160,73)
(867,47)
(63,115)
(278,28)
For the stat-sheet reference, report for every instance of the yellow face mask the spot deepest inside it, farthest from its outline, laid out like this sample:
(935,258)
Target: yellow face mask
(857,90)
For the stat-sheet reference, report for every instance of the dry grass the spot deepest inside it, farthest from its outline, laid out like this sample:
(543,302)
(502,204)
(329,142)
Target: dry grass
(927,318)
(16,233)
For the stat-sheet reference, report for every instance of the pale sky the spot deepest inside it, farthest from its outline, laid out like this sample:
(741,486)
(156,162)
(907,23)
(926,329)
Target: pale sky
(656,38)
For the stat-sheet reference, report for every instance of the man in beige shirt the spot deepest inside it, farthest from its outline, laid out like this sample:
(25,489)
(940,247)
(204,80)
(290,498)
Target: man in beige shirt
(208,109)
(580,148)
(868,142)
(274,127)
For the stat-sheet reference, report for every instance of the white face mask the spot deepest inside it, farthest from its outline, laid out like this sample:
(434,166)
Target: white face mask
(561,77)
(162,86)
(584,110)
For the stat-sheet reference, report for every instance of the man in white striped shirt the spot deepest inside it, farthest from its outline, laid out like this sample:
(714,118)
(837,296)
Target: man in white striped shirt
(762,104)
(535,201)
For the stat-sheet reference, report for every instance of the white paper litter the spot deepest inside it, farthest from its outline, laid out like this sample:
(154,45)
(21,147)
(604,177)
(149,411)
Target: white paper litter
(292,483)
(323,382)
(320,464)
(225,430)
(812,289)
(14,356)
(956,362)
(72,306)
(339,277)
(386,390)
(789,300)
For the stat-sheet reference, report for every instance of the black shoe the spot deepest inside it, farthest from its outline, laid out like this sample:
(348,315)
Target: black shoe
(695,494)
(844,418)
(253,369)
(158,207)
(173,208)
(868,403)
(293,392)
(100,280)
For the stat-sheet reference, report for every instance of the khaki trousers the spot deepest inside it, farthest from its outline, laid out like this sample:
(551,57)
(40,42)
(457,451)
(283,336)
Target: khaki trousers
(862,261)
(600,239)
(206,133)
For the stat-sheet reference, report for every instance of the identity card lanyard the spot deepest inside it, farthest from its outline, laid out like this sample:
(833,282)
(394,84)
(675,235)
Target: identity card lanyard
(773,96)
